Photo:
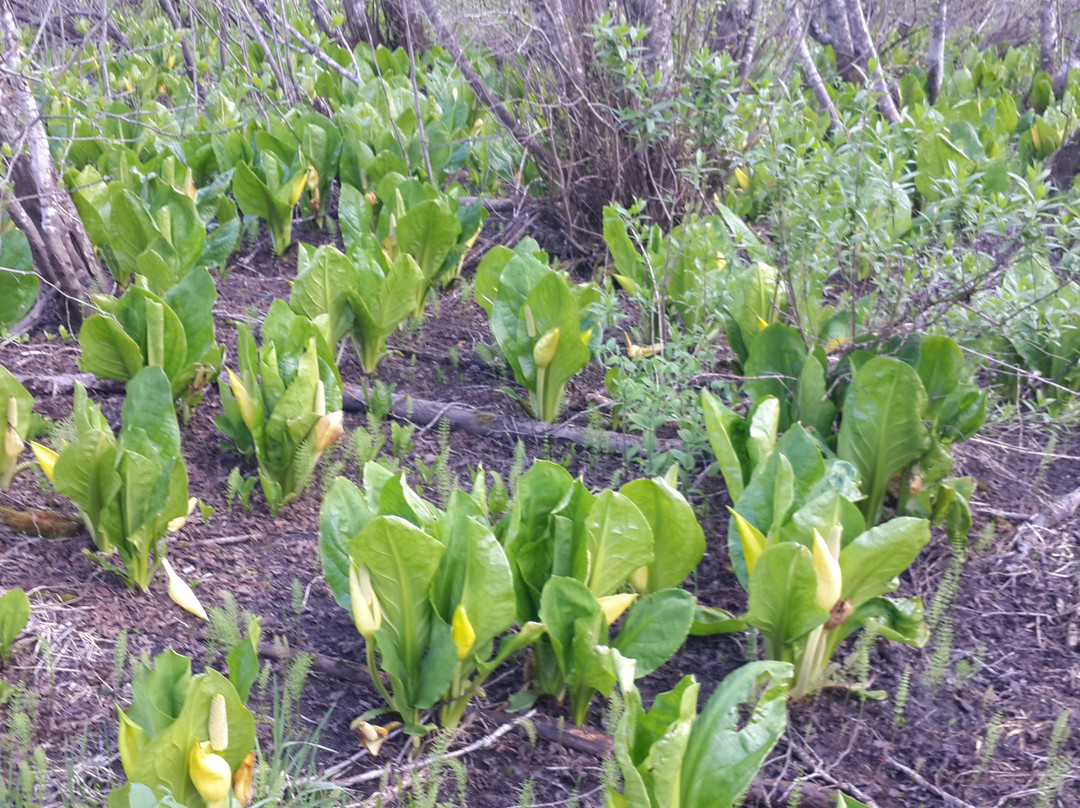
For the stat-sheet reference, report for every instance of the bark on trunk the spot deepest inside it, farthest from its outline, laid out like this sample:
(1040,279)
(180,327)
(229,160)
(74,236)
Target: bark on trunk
(746,61)
(810,71)
(935,56)
(860,34)
(659,51)
(1071,62)
(35,199)
(185,43)
(1048,34)
(836,22)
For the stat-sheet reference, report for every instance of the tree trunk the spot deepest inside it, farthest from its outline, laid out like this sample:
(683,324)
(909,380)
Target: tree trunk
(1048,34)
(185,44)
(35,199)
(935,55)
(860,34)
(810,71)
(1070,62)
(746,60)
(839,30)
(659,50)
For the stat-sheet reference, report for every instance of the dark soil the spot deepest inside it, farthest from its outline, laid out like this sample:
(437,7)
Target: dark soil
(1004,660)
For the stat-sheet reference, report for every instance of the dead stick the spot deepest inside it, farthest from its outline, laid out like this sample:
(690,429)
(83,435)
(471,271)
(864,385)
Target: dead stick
(483,423)
(949,799)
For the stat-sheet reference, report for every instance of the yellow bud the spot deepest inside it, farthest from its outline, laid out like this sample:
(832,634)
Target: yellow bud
(211,775)
(367,613)
(639,579)
(127,84)
(544,349)
(46,458)
(172,61)
(762,324)
(320,398)
(586,335)
(242,782)
(828,573)
(181,593)
(1035,136)
(462,632)
(327,431)
(313,187)
(752,539)
(530,323)
(615,605)
(478,124)
(243,400)
(372,200)
(742,178)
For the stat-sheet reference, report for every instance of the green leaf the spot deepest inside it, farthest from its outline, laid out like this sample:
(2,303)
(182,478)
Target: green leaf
(618,540)
(678,540)
(403,561)
(343,514)
(725,750)
(727,436)
(882,430)
(14,614)
(774,367)
(656,627)
(106,350)
(19,286)
(473,572)
(783,595)
(870,563)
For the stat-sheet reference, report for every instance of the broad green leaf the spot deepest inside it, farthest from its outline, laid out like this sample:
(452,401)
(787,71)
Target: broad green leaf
(474,572)
(870,563)
(763,426)
(882,430)
(656,627)
(19,286)
(403,561)
(725,750)
(107,351)
(618,540)
(783,595)
(774,367)
(343,514)
(678,540)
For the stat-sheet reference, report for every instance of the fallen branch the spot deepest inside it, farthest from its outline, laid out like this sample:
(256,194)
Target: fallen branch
(33,522)
(1056,512)
(483,423)
(64,384)
(948,799)
(330,666)
(470,420)
(483,743)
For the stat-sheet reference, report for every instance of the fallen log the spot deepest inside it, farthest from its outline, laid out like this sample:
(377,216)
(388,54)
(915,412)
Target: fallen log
(470,420)
(488,424)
